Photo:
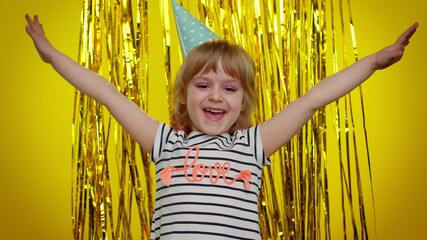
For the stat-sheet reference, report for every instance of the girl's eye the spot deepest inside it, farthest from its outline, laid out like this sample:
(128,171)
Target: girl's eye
(230,88)
(202,85)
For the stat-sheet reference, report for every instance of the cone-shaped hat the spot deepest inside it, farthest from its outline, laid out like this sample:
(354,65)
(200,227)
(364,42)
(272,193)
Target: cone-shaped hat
(191,31)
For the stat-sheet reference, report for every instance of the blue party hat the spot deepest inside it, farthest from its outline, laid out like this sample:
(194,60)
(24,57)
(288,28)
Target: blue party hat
(191,31)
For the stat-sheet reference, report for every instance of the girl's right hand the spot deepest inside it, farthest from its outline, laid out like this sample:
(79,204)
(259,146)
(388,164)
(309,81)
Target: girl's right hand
(36,32)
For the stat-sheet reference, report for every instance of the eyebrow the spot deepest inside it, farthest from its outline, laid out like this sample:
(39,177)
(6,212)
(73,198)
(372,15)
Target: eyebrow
(227,79)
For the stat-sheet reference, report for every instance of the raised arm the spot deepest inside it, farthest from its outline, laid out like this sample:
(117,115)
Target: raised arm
(282,127)
(136,122)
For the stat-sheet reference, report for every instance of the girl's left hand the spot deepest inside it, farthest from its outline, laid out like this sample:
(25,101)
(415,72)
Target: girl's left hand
(393,53)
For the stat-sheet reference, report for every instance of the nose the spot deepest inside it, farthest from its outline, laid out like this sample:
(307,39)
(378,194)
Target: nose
(215,95)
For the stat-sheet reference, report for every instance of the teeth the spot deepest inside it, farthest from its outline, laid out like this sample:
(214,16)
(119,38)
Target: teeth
(214,110)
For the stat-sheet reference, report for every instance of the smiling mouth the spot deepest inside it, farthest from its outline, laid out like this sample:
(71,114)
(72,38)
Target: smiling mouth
(214,111)
(214,114)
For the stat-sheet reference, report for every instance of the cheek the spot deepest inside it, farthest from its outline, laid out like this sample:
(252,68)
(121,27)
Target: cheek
(242,101)
(192,99)
(236,105)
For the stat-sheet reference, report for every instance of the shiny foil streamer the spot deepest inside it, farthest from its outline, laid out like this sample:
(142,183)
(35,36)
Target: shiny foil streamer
(112,183)
(295,44)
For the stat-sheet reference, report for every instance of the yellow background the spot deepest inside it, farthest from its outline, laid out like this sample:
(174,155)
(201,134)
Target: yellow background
(36,110)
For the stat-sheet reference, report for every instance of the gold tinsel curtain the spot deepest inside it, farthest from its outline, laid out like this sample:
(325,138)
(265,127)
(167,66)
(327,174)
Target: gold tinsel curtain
(295,44)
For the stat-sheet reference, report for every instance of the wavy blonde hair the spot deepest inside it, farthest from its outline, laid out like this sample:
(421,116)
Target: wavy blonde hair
(235,61)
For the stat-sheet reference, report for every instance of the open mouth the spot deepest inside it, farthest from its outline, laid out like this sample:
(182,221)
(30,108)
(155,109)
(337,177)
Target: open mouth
(214,114)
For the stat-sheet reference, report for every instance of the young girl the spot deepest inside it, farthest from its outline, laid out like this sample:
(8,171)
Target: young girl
(209,162)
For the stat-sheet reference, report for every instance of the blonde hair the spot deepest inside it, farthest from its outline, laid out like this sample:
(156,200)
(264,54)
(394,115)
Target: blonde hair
(235,61)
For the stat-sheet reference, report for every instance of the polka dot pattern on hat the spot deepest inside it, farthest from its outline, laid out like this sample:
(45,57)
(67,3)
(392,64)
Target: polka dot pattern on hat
(191,31)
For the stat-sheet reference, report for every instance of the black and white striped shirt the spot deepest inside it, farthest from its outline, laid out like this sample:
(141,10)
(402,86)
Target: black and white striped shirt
(207,187)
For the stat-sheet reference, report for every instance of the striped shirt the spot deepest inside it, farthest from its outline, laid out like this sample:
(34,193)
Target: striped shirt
(207,187)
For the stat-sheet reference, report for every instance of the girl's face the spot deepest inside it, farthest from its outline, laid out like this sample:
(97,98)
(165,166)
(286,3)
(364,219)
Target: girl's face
(214,101)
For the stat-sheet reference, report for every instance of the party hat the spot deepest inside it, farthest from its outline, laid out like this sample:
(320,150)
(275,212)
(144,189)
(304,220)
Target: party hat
(191,31)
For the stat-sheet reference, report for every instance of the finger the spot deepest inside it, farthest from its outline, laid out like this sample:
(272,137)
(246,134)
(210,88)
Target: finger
(411,30)
(36,19)
(29,20)
(35,24)
(404,38)
(32,25)
(29,27)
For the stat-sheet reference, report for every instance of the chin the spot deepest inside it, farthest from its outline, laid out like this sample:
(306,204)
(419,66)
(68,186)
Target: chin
(214,132)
